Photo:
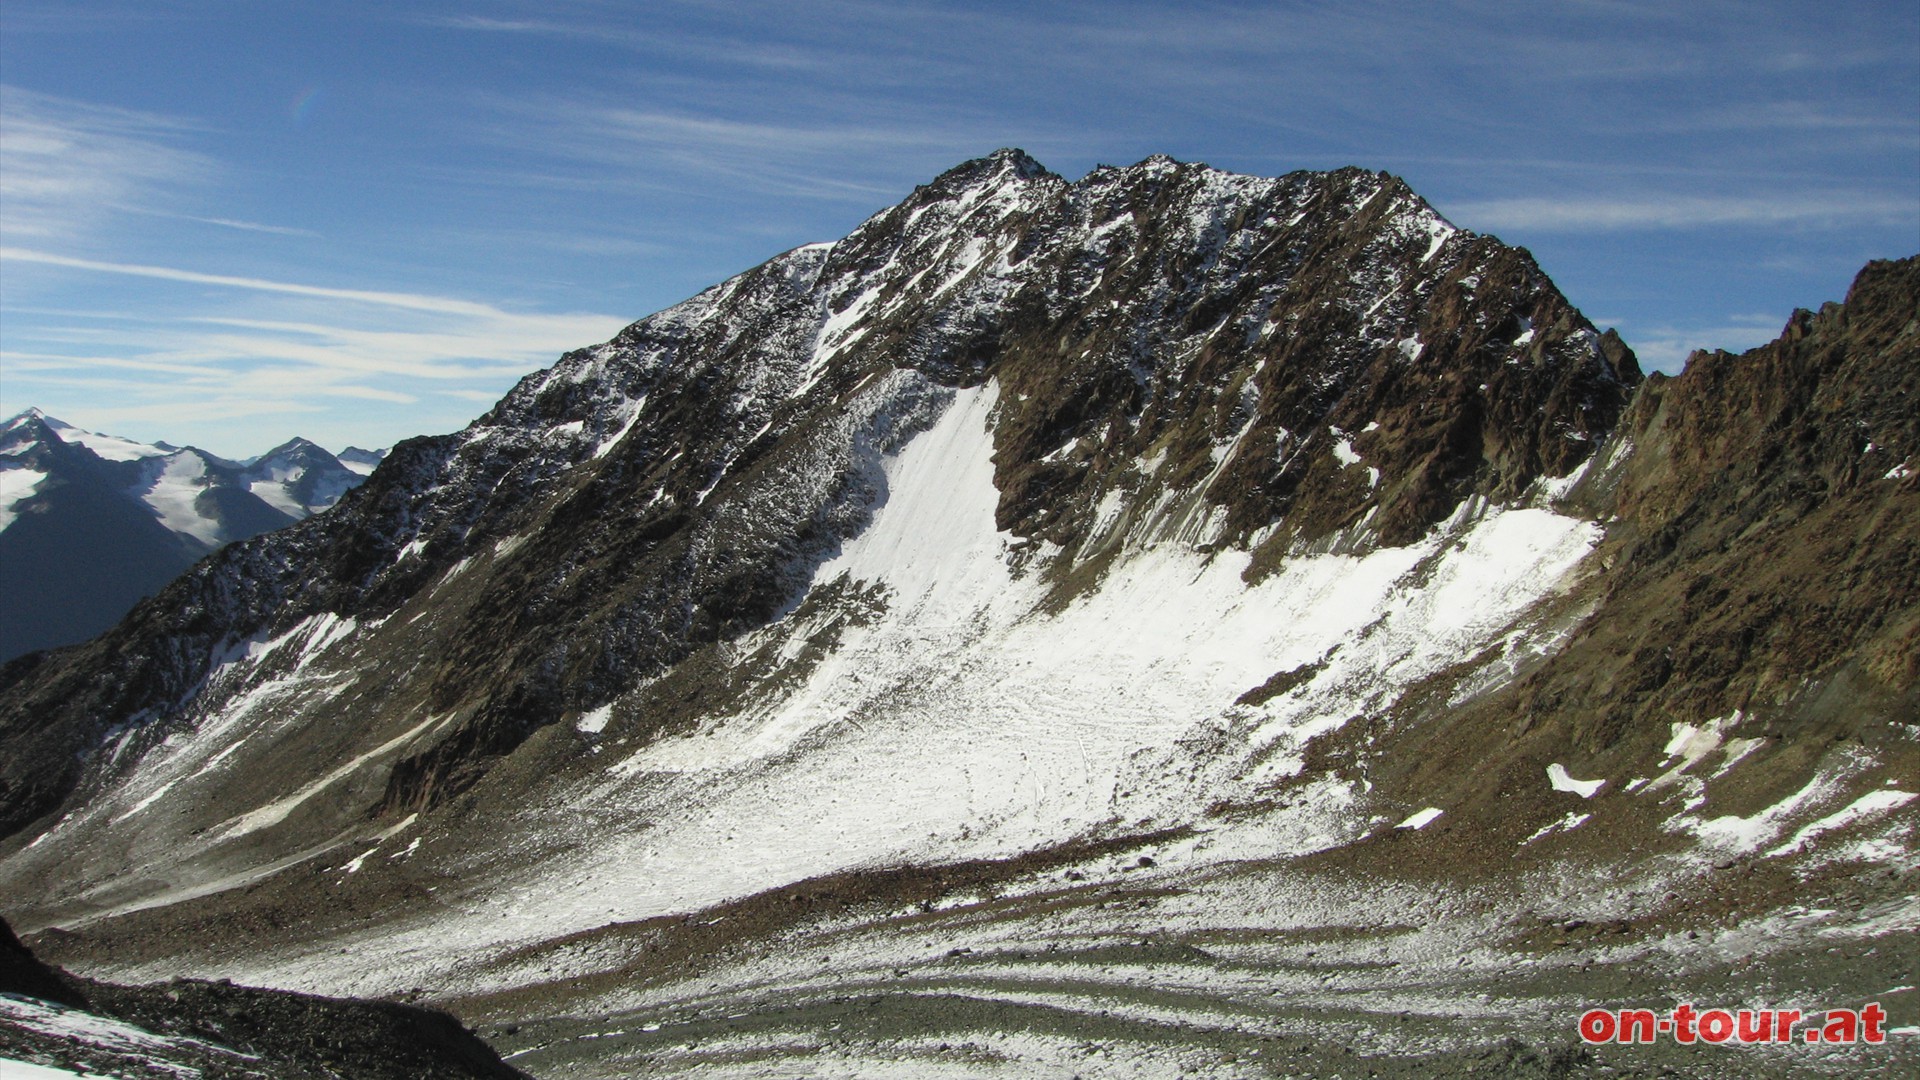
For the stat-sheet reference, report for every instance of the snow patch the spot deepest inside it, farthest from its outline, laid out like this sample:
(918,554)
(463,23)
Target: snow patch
(1871,804)
(1422,819)
(14,1069)
(1565,824)
(171,487)
(629,415)
(595,722)
(109,447)
(16,484)
(1690,745)
(1561,781)
(275,812)
(89,1029)
(1343,448)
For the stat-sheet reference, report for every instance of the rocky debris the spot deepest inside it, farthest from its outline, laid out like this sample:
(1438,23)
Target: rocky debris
(1756,588)
(222,1031)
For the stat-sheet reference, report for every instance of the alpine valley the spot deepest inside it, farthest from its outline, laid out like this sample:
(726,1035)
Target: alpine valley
(1166,623)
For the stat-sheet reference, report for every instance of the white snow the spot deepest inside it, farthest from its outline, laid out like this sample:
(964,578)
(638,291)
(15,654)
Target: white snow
(1691,745)
(1871,804)
(149,800)
(1747,834)
(1421,819)
(958,711)
(837,332)
(16,484)
(593,723)
(275,812)
(1343,448)
(171,486)
(275,488)
(630,415)
(110,447)
(964,720)
(57,1021)
(352,865)
(275,494)
(1570,822)
(1561,781)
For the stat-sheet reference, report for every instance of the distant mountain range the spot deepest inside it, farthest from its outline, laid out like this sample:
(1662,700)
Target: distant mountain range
(91,523)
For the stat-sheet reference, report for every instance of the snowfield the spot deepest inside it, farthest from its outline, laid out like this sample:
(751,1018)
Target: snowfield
(962,722)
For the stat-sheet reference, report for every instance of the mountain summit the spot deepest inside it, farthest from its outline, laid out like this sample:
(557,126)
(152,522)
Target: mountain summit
(1119,589)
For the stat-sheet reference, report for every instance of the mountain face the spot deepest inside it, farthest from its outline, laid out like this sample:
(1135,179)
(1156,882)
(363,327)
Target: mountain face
(1170,611)
(91,523)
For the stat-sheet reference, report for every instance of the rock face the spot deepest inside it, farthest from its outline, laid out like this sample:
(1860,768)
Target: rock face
(1767,544)
(1239,570)
(90,523)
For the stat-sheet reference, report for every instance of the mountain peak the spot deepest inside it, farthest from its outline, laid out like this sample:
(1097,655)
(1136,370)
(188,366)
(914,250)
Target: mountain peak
(32,415)
(294,447)
(1008,164)
(1164,163)
(32,421)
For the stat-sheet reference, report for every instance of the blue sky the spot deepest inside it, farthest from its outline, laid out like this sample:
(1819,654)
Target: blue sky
(231,221)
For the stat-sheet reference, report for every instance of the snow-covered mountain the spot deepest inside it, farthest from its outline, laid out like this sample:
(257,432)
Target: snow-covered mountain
(300,478)
(91,523)
(361,461)
(1132,626)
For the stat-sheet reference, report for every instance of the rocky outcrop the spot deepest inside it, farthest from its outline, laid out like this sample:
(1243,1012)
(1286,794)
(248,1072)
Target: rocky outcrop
(225,1032)
(1756,591)
(1768,533)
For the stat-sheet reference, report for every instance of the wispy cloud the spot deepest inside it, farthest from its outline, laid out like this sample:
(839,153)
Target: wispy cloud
(1581,213)
(70,165)
(302,345)
(864,154)
(410,301)
(243,226)
(1666,348)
